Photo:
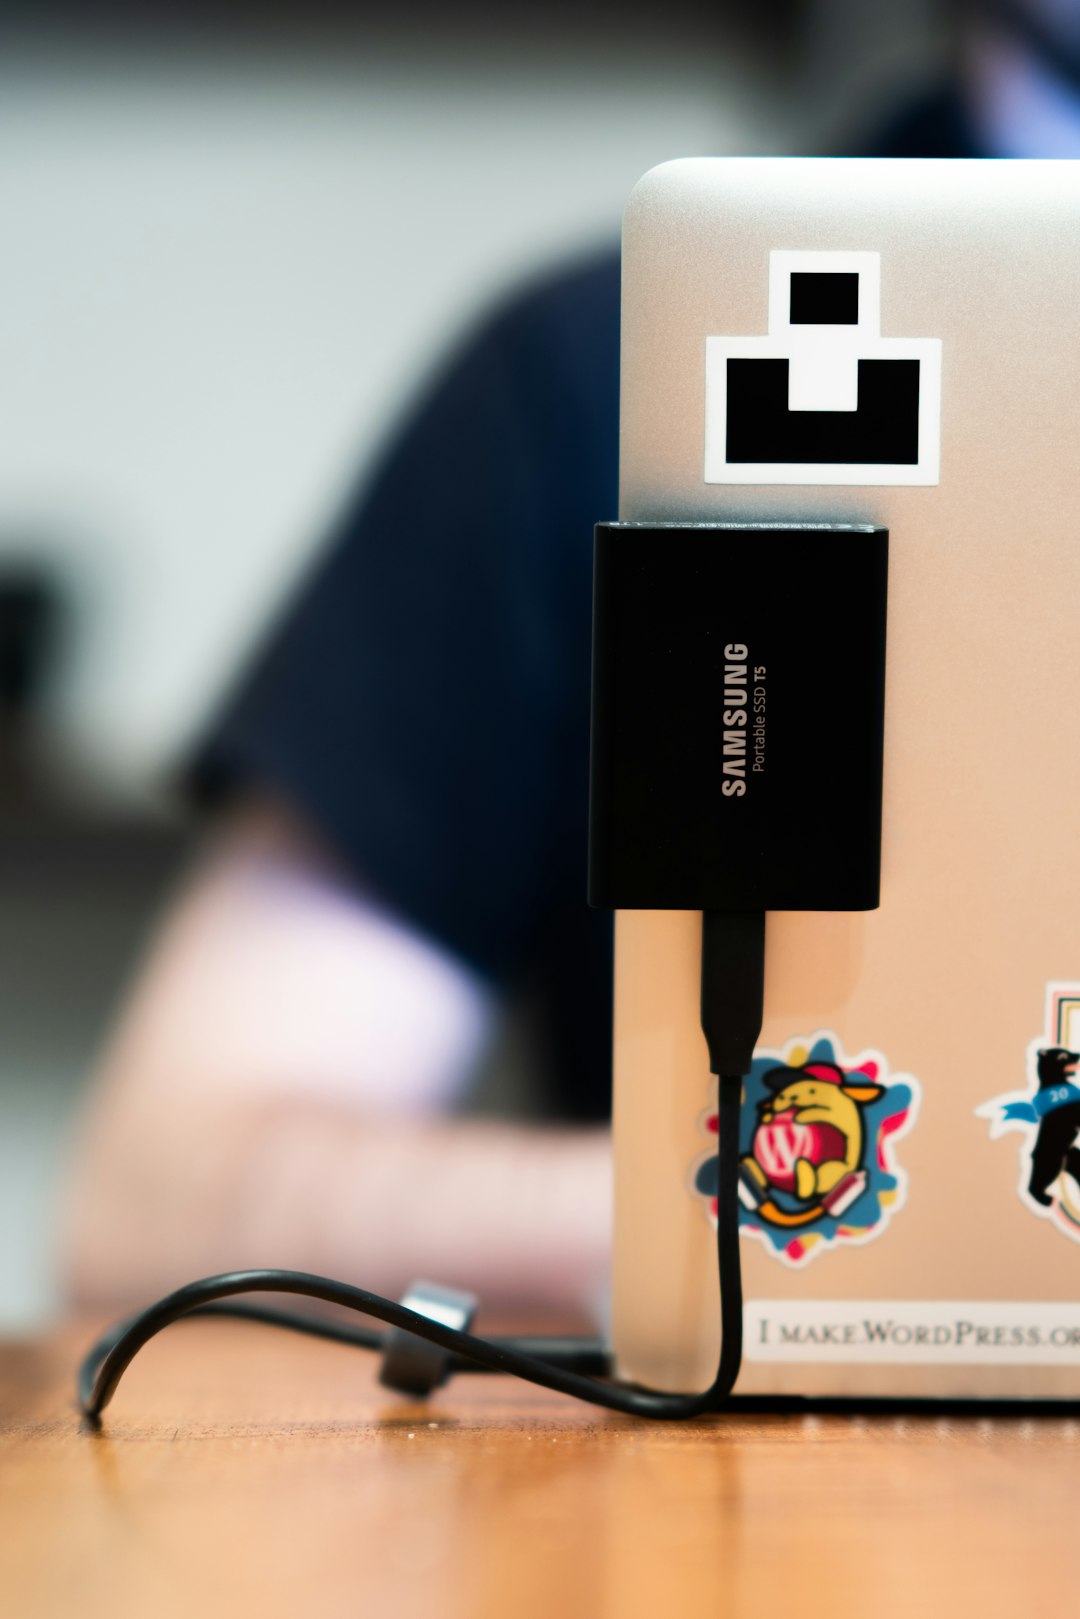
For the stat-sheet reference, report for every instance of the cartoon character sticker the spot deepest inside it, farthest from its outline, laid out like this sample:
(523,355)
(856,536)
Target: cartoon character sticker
(817,1161)
(1047,1114)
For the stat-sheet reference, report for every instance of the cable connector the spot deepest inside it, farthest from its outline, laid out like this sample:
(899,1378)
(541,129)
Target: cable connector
(732,987)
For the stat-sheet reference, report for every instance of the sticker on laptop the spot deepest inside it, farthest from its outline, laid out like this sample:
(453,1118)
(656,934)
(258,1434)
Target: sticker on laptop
(823,398)
(1045,1113)
(817,1160)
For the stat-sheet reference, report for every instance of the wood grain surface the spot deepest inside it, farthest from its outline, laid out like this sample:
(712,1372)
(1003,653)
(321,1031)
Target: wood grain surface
(241,1471)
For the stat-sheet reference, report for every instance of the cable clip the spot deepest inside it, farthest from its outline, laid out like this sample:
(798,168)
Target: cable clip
(410,1364)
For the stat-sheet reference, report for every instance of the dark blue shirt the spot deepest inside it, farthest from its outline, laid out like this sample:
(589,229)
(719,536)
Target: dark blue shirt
(426,702)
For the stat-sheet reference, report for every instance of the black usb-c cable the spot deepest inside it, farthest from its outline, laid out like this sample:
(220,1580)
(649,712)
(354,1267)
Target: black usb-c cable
(732,983)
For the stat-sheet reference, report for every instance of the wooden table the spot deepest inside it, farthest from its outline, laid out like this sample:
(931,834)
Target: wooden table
(244,1472)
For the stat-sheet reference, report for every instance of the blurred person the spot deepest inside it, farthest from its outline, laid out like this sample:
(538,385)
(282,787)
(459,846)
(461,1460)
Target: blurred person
(401,790)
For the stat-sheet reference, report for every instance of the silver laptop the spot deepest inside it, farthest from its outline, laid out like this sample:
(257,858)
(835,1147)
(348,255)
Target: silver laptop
(764,303)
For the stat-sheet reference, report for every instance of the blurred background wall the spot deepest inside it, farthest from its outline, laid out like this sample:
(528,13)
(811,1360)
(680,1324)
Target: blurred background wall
(230,250)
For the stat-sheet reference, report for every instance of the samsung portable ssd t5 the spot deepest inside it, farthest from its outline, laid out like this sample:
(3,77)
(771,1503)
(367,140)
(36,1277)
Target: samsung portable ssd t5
(849,514)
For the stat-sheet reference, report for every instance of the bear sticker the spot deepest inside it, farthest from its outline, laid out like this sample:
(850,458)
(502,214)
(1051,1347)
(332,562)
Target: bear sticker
(817,1161)
(1046,1113)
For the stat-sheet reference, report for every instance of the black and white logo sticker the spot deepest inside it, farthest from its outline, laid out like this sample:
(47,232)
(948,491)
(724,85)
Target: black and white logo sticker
(824,398)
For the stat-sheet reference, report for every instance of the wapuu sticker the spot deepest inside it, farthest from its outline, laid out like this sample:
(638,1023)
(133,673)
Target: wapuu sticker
(1047,1114)
(817,1162)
